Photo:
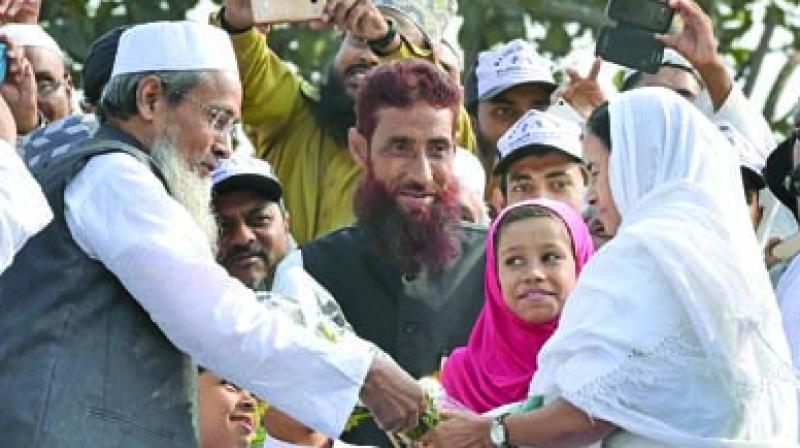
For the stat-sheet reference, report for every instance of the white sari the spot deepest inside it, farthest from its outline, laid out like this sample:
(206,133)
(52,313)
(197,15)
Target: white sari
(672,332)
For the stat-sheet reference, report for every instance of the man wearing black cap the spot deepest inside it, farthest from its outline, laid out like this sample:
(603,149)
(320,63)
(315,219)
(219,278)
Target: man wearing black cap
(253,222)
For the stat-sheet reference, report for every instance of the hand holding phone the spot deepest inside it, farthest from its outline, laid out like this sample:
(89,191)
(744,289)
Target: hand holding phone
(648,15)
(630,47)
(282,11)
(695,40)
(633,42)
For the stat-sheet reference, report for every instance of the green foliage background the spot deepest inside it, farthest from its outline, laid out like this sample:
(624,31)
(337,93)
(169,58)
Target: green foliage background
(75,23)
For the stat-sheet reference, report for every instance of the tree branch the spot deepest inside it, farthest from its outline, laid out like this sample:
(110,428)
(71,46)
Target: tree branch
(753,66)
(548,10)
(780,83)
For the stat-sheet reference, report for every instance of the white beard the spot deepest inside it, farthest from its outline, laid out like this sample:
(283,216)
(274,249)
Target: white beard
(186,186)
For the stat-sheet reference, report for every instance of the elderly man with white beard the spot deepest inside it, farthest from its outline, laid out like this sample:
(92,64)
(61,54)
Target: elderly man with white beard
(101,311)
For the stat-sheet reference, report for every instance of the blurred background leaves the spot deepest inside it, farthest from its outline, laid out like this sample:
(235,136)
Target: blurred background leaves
(555,25)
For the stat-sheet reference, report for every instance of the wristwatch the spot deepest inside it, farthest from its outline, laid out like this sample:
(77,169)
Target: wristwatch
(498,432)
(379,45)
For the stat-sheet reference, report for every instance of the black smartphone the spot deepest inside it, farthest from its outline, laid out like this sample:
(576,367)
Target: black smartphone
(651,15)
(630,47)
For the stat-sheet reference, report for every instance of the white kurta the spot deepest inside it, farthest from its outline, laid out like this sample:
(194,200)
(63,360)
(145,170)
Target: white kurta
(23,208)
(672,332)
(120,214)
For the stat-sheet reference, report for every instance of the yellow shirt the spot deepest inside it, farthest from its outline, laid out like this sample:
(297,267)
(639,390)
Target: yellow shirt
(318,175)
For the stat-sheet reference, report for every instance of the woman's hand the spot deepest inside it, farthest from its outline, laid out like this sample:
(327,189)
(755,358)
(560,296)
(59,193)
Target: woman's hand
(460,430)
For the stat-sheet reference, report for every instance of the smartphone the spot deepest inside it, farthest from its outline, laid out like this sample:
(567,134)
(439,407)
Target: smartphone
(3,63)
(282,11)
(650,15)
(631,47)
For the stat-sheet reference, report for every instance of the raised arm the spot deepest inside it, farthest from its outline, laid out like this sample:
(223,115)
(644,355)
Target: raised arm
(273,94)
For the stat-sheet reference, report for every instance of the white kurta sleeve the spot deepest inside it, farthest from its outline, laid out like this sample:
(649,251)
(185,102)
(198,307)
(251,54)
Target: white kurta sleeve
(23,208)
(742,115)
(120,214)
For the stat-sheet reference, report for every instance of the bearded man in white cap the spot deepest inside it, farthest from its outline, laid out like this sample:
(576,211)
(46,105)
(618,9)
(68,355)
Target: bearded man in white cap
(101,309)
(54,86)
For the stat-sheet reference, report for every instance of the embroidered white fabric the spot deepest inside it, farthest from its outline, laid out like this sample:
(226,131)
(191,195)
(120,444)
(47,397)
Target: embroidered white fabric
(672,332)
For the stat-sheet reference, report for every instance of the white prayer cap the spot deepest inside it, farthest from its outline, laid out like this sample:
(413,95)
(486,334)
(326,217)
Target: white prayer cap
(174,46)
(510,65)
(469,172)
(31,35)
(536,131)
(750,158)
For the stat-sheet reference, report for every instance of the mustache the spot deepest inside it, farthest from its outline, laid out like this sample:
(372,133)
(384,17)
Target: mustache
(251,250)
(356,68)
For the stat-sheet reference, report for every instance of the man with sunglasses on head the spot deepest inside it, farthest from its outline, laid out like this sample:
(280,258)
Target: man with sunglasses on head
(104,312)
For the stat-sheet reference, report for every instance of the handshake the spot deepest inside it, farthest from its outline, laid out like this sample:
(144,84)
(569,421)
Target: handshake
(397,402)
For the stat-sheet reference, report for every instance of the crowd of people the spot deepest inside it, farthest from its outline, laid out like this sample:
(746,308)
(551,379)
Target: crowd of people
(569,266)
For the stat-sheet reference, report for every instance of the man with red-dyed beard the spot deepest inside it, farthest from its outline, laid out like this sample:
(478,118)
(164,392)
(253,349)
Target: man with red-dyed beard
(409,274)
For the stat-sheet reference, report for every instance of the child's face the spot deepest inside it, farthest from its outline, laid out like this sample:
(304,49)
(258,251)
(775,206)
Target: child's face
(536,267)
(226,413)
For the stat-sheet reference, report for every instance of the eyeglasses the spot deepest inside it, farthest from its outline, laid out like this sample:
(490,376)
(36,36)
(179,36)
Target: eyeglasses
(220,119)
(47,87)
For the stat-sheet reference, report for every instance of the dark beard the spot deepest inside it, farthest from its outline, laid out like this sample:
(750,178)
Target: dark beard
(413,242)
(336,109)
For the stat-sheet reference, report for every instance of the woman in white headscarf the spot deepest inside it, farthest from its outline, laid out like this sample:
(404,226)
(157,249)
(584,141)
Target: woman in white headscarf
(671,336)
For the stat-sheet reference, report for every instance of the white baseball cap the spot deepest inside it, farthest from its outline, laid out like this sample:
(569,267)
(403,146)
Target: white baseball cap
(31,35)
(246,172)
(509,65)
(174,46)
(535,132)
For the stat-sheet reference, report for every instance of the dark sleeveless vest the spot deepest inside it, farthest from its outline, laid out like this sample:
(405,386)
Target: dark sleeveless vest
(416,319)
(81,363)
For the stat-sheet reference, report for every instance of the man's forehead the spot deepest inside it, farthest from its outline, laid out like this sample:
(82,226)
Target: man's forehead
(672,78)
(248,198)
(222,90)
(421,117)
(527,89)
(547,162)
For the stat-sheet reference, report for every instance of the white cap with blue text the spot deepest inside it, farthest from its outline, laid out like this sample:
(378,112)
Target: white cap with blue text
(509,65)
(537,129)
(174,46)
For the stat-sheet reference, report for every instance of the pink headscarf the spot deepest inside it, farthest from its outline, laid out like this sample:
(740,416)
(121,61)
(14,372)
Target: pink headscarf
(496,366)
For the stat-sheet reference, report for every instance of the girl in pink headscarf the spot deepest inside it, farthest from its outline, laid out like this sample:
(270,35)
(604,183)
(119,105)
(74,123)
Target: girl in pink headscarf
(534,253)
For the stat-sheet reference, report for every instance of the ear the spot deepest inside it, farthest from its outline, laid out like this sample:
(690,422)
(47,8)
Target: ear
(149,97)
(69,86)
(359,147)
(287,220)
